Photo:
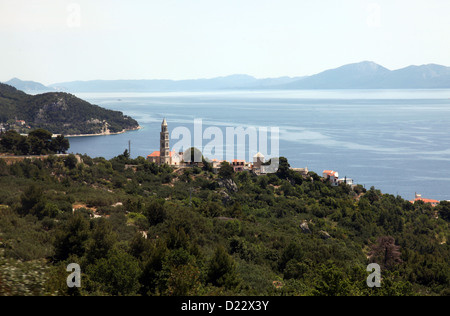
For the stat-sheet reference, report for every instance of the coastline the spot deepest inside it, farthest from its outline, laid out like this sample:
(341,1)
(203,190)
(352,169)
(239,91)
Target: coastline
(101,134)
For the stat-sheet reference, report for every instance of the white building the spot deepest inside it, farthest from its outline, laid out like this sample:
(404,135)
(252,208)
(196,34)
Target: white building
(346,181)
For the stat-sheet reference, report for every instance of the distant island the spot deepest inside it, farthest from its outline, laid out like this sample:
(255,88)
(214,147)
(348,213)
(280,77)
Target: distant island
(363,75)
(59,113)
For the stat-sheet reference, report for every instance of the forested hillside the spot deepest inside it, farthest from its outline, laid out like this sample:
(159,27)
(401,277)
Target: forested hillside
(60,113)
(140,229)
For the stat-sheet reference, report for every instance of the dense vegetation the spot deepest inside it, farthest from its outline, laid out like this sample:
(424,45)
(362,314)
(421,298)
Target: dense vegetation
(210,234)
(60,113)
(37,142)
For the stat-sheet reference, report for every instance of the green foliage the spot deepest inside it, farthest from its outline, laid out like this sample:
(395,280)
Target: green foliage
(222,270)
(18,278)
(38,142)
(226,171)
(71,161)
(155,212)
(443,209)
(72,238)
(331,282)
(268,235)
(101,241)
(116,274)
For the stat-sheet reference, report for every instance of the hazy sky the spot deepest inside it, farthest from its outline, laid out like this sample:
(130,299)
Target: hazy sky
(63,40)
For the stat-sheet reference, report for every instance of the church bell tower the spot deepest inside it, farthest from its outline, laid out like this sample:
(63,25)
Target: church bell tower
(164,144)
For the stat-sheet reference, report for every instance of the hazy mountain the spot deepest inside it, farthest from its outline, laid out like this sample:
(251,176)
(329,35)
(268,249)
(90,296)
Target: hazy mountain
(369,75)
(28,86)
(430,76)
(363,75)
(153,85)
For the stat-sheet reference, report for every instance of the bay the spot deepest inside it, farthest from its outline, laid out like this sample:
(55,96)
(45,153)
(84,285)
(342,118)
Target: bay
(395,140)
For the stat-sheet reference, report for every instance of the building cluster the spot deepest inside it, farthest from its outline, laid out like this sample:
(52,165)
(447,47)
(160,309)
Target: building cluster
(333,177)
(257,166)
(176,159)
(15,125)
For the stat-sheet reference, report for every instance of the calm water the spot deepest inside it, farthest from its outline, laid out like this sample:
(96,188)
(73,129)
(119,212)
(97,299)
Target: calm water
(395,140)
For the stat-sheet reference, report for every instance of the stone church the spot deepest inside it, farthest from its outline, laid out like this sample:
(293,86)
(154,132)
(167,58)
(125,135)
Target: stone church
(165,155)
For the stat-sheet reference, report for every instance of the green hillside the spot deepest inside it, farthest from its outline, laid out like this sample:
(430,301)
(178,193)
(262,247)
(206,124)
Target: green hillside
(60,113)
(278,234)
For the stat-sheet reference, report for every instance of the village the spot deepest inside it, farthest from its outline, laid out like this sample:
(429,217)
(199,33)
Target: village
(179,160)
(258,166)
(19,126)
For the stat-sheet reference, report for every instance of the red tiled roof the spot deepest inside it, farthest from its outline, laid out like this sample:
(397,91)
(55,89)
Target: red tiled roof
(158,154)
(155,154)
(426,200)
(329,172)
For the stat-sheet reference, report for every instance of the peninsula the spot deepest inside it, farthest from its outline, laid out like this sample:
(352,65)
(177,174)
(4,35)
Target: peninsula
(59,113)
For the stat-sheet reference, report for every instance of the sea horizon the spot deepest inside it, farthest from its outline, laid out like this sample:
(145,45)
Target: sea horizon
(386,134)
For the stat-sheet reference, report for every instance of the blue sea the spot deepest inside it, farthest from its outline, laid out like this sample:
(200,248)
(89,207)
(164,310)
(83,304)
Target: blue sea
(395,140)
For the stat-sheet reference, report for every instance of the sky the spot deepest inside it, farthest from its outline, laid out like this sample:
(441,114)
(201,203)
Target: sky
(52,41)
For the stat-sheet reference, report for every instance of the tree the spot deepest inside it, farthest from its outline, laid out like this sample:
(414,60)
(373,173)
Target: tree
(372,195)
(385,252)
(60,144)
(226,171)
(207,166)
(139,245)
(292,252)
(33,202)
(443,210)
(183,280)
(41,134)
(40,141)
(118,274)
(9,140)
(151,273)
(102,240)
(155,212)
(71,238)
(332,281)
(284,171)
(222,270)
(295,269)
(23,146)
(71,161)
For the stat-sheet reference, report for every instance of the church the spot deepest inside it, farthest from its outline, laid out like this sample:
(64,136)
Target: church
(165,155)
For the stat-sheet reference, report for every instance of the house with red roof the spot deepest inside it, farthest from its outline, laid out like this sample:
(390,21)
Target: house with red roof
(174,158)
(418,197)
(331,175)
(238,165)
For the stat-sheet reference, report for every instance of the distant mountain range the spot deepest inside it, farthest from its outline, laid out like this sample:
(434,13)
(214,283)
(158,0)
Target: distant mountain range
(154,85)
(369,75)
(363,75)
